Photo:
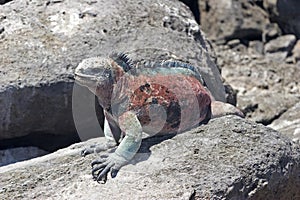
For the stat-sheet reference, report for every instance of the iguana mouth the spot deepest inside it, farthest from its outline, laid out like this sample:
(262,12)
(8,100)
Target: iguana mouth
(85,80)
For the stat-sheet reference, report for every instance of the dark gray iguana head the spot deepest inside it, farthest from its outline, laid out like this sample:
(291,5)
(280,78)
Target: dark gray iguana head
(99,74)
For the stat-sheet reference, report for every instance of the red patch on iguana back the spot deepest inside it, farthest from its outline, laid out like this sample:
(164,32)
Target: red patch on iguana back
(185,100)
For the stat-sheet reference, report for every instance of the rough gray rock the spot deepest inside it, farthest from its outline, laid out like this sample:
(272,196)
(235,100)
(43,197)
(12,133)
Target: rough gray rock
(265,85)
(4,1)
(266,88)
(19,154)
(256,47)
(271,32)
(286,14)
(289,123)
(42,108)
(279,48)
(194,6)
(43,41)
(226,20)
(296,52)
(229,158)
(264,106)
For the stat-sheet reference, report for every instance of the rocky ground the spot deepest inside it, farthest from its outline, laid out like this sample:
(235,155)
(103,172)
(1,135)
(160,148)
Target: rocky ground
(229,158)
(267,91)
(43,42)
(257,48)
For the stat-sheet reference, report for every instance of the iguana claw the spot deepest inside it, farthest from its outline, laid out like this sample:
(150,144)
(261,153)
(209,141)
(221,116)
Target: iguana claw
(102,166)
(86,151)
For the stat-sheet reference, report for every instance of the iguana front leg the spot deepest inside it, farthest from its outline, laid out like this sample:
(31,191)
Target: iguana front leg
(110,141)
(132,128)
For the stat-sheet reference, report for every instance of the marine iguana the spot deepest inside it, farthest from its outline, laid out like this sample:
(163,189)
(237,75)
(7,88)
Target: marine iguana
(144,98)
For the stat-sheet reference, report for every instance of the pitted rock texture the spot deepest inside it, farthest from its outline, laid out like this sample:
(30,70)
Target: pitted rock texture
(230,19)
(289,123)
(249,20)
(265,88)
(262,66)
(19,154)
(4,1)
(295,57)
(279,48)
(43,41)
(229,158)
(286,14)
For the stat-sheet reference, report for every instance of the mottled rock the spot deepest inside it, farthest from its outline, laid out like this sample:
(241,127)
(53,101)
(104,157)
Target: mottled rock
(296,52)
(264,106)
(39,108)
(226,20)
(271,32)
(286,14)
(256,47)
(4,1)
(229,158)
(279,48)
(230,94)
(13,155)
(289,123)
(265,88)
(44,41)
(194,6)
(236,45)
(233,43)
(2,29)
(270,6)
(282,43)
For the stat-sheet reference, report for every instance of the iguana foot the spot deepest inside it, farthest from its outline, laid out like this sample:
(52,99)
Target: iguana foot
(98,148)
(102,166)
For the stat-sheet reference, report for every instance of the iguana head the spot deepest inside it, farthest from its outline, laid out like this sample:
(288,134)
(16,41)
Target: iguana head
(99,74)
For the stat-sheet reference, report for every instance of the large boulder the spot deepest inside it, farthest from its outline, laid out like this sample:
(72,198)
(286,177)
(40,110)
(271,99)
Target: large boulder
(279,48)
(229,158)
(43,41)
(286,14)
(9,156)
(230,19)
(289,123)
(265,88)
